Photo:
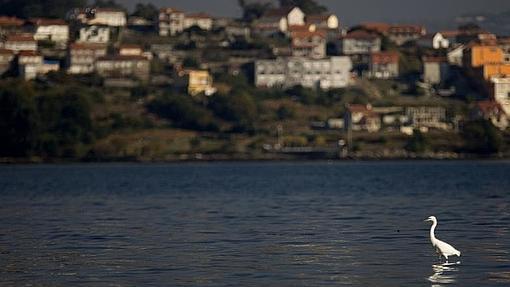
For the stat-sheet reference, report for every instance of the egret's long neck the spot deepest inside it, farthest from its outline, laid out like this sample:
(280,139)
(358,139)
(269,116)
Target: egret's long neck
(432,229)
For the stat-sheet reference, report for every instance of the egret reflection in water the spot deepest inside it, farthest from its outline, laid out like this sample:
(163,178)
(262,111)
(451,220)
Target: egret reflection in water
(444,274)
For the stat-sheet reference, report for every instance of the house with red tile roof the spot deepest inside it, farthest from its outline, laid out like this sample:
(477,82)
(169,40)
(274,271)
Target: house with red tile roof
(384,65)
(82,57)
(401,34)
(19,42)
(323,21)
(201,20)
(492,111)
(279,20)
(434,41)
(359,42)
(119,66)
(9,25)
(107,16)
(55,30)
(436,70)
(170,21)
(308,44)
(362,118)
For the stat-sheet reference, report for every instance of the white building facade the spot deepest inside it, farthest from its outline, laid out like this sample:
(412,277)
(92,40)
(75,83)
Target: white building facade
(52,30)
(170,21)
(95,34)
(328,73)
(501,92)
(108,17)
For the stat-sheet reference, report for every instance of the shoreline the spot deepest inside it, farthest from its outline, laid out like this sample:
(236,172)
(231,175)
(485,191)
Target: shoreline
(229,158)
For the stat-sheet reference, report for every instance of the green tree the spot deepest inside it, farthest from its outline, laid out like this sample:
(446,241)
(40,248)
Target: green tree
(66,123)
(482,137)
(18,119)
(308,6)
(418,143)
(304,95)
(146,11)
(183,112)
(237,107)
(254,10)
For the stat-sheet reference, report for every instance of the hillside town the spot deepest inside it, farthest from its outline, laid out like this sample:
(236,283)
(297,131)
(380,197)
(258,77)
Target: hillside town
(283,81)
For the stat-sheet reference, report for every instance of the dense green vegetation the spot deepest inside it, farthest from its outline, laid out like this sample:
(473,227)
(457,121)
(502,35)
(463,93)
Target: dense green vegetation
(55,123)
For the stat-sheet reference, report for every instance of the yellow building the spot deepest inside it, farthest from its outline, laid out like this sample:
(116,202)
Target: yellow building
(479,55)
(495,70)
(200,81)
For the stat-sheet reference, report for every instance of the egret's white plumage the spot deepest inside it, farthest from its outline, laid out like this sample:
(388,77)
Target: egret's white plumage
(442,248)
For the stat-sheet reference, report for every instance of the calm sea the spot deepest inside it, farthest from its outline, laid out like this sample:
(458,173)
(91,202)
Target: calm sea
(254,224)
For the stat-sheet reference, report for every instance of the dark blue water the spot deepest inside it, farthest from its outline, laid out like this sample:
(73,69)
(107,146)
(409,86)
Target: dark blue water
(253,224)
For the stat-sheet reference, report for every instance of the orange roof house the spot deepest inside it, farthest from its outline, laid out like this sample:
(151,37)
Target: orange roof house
(478,55)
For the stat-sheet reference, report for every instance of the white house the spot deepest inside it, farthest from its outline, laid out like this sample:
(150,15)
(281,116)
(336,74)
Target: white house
(434,41)
(95,34)
(55,30)
(279,20)
(501,92)
(435,70)
(119,66)
(170,21)
(20,42)
(362,118)
(323,21)
(328,73)
(359,42)
(130,50)
(31,64)
(308,44)
(201,20)
(82,57)
(108,17)
(455,55)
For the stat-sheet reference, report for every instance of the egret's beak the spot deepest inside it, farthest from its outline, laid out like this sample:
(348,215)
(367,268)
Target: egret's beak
(428,219)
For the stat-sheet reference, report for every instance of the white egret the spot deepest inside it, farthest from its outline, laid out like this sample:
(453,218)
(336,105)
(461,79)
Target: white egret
(442,248)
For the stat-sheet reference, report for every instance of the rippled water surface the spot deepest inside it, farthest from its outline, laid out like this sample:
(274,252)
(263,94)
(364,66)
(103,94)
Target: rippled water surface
(254,224)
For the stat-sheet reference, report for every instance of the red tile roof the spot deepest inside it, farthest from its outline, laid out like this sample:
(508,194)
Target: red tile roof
(307,34)
(384,58)
(449,33)
(28,54)
(11,21)
(47,22)
(299,28)
(434,59)
(376,27)
(6,52)
(317,18)
(415,29)
(87,46)
(361,35)
(355,108)
(489,107)
(198,16)
(20,38)
(169,10)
